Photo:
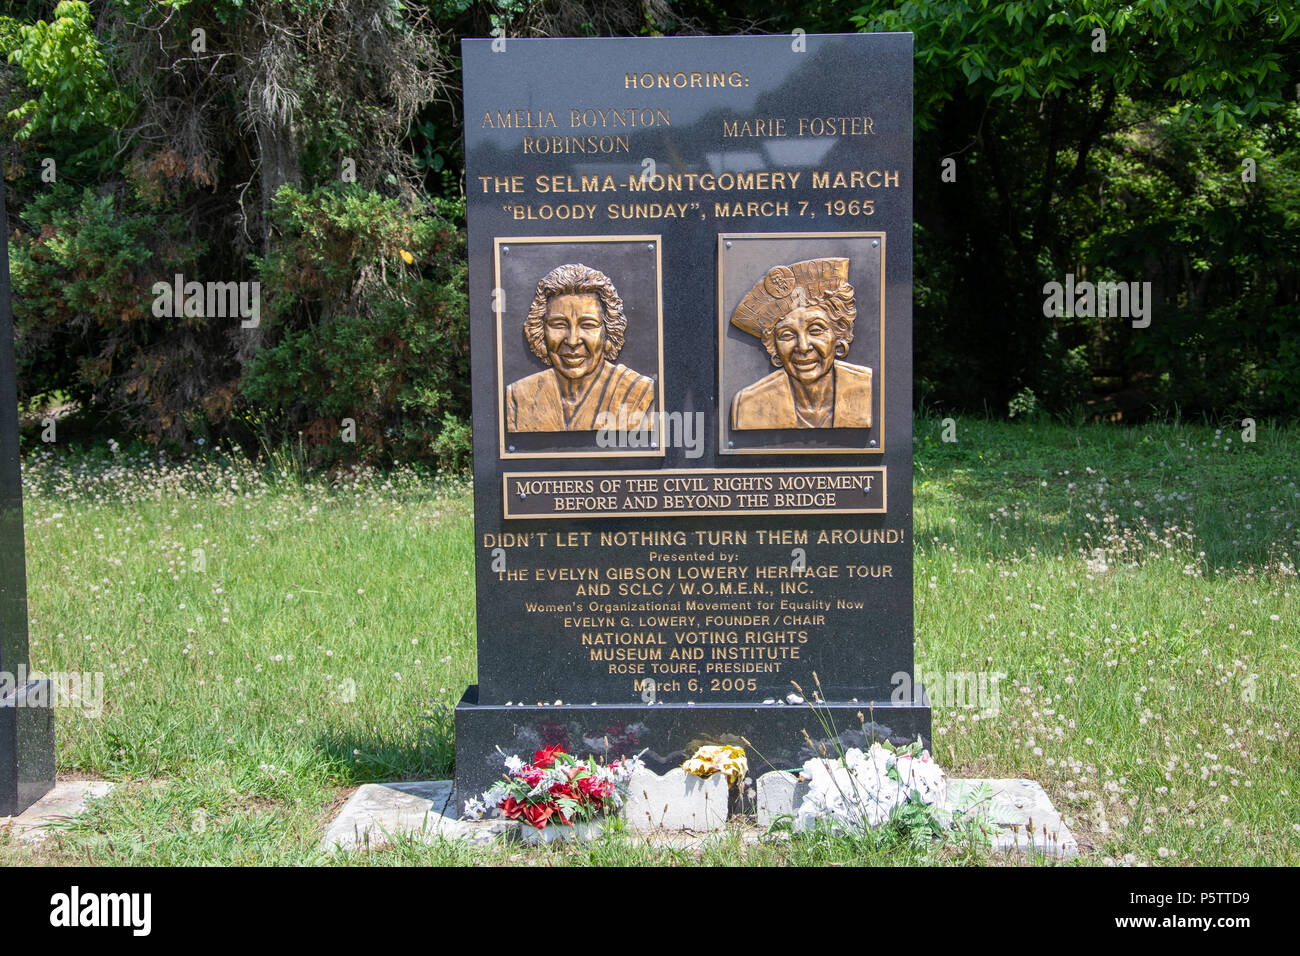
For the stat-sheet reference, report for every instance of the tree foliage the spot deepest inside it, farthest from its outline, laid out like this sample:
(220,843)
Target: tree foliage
(355,330)
(1105,141)
(60,90)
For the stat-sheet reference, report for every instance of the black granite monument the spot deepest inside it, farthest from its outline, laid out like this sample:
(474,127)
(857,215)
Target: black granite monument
(690,299)
(26,721)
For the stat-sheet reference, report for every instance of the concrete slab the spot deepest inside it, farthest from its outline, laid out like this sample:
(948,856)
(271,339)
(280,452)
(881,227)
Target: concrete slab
(428,811)
(425,810)
(1021,812)
(1023,815)
(66,801)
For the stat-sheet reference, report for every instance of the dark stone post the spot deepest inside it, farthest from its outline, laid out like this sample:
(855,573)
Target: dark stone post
(26,721)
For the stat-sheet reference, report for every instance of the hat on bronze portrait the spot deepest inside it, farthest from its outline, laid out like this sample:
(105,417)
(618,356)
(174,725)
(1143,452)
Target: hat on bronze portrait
(803,313)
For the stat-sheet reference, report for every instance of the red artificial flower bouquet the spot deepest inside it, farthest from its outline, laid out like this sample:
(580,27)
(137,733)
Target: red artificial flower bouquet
(556,788)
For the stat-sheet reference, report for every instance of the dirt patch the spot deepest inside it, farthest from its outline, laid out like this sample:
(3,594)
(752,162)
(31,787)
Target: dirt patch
(331,810)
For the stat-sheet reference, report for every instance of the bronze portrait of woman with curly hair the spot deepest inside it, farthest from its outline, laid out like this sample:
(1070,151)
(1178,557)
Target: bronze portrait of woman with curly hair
(576,326)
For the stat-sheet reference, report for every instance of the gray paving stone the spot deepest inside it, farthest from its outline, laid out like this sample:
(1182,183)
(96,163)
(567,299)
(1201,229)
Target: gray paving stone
(424,810)
(67,800)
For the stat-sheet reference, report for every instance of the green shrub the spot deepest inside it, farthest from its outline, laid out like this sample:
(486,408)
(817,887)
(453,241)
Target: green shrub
(82,264)
(356,331)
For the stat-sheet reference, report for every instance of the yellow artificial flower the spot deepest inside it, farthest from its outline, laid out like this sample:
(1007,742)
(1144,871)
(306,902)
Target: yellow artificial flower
(719,759)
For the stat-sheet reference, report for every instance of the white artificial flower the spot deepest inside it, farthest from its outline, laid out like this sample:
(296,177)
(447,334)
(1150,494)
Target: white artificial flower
(859,790)
(556,775)
(475,808)
(549,779)
(624,769)
(513,764)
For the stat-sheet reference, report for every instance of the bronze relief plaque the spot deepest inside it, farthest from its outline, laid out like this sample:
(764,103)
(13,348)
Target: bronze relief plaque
(578,359)
(800,343)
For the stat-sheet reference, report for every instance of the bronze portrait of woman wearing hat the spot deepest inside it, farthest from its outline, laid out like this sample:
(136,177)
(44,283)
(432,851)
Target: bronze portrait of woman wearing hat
(803,314)
(576,326)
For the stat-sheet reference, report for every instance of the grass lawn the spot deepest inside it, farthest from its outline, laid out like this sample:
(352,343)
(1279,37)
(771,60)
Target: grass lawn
(268,642)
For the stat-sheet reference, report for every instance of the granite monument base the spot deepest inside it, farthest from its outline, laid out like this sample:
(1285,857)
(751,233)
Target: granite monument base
(26,746)
(773,735)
